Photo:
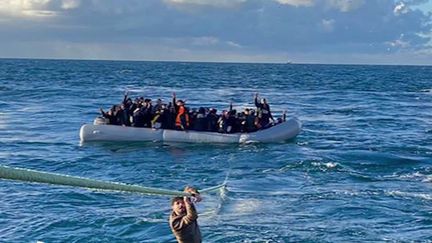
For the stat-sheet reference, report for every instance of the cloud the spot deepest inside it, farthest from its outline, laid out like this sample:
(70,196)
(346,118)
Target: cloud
(345,5)
(399,43)
(24,8)
(297,3)
(205,41)
(35,8)
(70,4)
(238,28)
(233,44)
(213,3)
(400,8)
(233,3)
(328,25)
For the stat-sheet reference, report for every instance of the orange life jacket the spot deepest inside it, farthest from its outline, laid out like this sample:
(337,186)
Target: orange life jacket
(182,114)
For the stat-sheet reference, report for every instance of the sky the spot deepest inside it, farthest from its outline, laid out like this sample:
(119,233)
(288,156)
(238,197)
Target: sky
(275,31)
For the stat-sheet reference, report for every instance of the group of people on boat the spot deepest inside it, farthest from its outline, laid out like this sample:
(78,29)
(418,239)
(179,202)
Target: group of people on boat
(175,115)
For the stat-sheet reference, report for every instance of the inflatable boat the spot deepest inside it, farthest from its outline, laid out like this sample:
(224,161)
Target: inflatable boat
(101,132)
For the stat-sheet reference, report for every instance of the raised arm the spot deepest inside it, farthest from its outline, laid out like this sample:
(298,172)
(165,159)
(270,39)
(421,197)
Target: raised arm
(125,96)
(256,100)
(181,221)
(102,112)
(174,101)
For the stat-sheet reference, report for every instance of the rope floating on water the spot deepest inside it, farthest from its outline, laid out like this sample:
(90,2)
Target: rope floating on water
(27,175)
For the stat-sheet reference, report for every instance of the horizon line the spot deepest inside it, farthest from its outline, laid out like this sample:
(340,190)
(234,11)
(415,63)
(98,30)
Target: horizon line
(288,63)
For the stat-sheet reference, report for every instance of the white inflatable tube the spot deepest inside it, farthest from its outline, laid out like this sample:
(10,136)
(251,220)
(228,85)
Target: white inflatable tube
(278,133)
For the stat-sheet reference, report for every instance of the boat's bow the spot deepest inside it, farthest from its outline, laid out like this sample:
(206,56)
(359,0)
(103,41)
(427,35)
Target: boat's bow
(278,133)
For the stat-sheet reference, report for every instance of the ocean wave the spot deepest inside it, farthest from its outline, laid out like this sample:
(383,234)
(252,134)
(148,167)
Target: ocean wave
(396,193)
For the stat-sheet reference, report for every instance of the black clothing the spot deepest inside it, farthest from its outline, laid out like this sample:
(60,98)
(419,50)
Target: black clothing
(263,113)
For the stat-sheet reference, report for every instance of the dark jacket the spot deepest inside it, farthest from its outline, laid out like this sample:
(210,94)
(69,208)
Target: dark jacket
(212,120)
(263,113)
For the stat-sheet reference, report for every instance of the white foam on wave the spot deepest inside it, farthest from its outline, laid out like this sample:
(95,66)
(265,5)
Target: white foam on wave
(424,196)
(32,109)
(331,165)
(428,178)
(246,206)
(328,165)
(414,176)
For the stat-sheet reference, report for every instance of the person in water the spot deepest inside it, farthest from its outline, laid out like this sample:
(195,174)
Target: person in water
(183,218)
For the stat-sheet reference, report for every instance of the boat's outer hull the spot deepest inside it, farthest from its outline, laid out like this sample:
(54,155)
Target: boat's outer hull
(278,133)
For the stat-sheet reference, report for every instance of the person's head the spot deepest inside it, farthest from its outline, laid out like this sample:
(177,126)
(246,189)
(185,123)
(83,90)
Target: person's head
(178,205)
(263,101)
(180,102)
(201,110)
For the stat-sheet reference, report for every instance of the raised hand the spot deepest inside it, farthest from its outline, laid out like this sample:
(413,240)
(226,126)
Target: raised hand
(194,192)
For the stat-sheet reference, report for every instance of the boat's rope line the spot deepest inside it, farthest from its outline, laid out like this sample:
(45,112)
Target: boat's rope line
(19,174)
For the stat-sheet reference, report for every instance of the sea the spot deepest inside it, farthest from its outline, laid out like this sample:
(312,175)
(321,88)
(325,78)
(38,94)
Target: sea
(359,171)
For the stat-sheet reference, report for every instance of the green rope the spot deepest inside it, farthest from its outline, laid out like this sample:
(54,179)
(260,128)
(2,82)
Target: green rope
(27,175)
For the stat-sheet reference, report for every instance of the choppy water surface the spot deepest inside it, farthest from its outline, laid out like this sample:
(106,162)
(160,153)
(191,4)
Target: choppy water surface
(361,170)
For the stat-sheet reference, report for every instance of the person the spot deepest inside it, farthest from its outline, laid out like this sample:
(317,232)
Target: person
(182,114)
(212,120)
(183,218)
(170,117)
(263,113)
(231,119)
(200,122)
(123,115)
(146,111)
(221,123)
(138,118)
(111,115)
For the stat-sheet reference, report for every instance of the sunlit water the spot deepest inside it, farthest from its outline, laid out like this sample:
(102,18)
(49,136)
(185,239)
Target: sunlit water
(360,170)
